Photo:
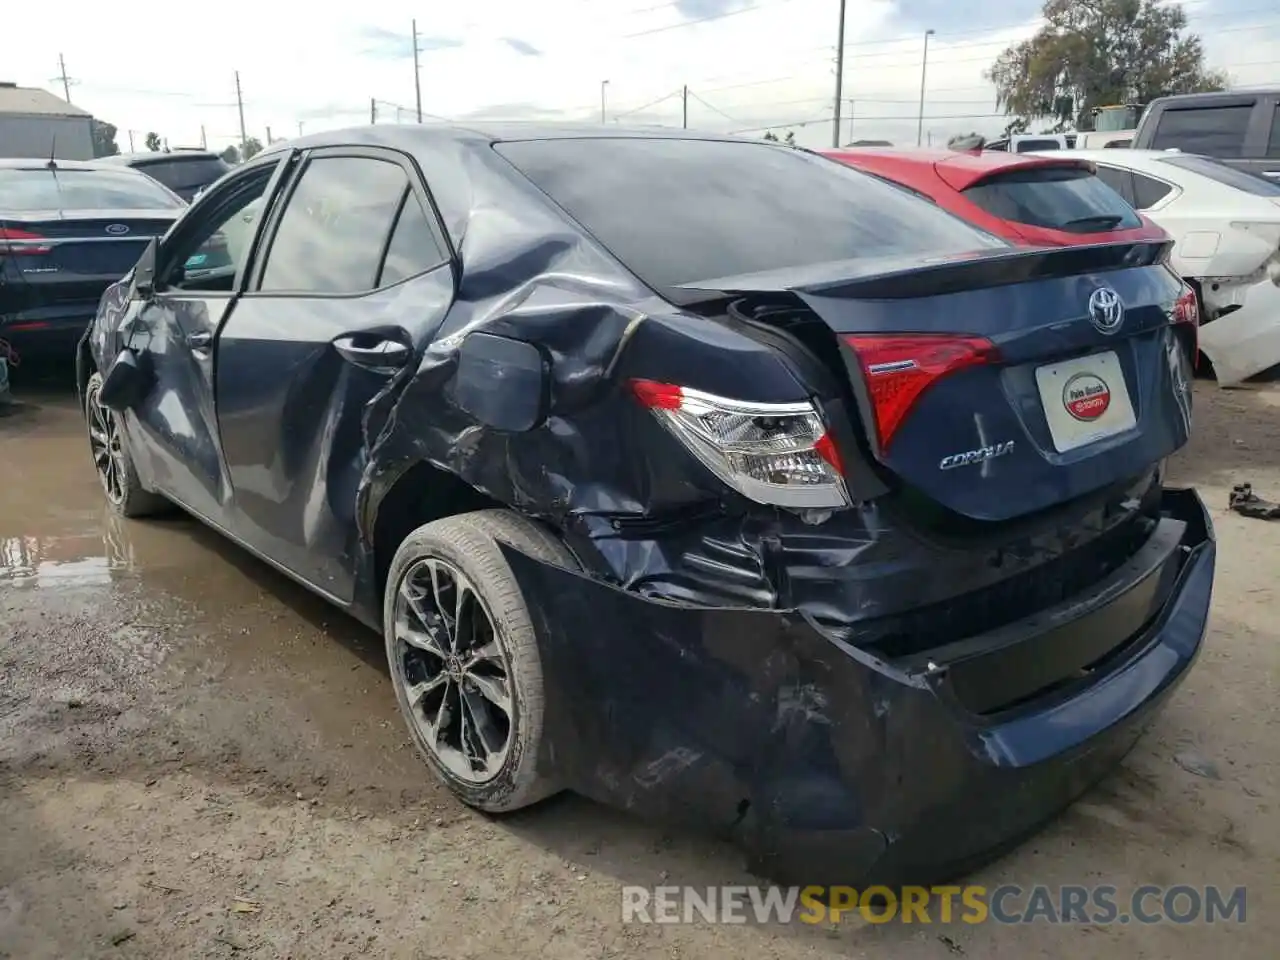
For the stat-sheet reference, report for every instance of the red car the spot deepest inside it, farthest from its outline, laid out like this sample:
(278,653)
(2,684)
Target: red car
(1028,200)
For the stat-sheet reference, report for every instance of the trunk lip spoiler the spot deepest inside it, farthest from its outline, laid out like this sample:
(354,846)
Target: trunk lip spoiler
(1016,264)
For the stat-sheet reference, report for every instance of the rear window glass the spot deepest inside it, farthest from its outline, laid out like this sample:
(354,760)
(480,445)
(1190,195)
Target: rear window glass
(1216,131)
(1226,175)
(185,174)
(1068,199)
(677,211)
(41,189)
(1273,141)
(1027,146)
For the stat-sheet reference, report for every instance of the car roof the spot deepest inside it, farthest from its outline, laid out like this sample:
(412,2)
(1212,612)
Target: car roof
(159,156)
(37,163)
(1216,96)
(1129,157)
(963,168)
(408,136)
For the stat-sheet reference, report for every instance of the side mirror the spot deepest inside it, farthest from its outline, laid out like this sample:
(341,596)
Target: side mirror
(144,272)
(127,382)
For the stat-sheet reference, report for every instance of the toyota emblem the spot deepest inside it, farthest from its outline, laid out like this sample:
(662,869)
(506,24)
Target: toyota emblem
(1106,311)
(117,229)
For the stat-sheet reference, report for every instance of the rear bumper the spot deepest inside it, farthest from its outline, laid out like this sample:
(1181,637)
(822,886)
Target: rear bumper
(830,766)
(1245,342)
(50,332)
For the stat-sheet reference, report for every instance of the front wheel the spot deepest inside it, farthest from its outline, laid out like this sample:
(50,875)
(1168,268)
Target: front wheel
(111,459)
(464,656)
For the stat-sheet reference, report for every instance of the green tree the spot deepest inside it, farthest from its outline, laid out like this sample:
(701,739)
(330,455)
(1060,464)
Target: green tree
(771,136)
(231,155)
(104,139)
(1091,53)
(252,147)
(962,141)
(790,138)
(152,141)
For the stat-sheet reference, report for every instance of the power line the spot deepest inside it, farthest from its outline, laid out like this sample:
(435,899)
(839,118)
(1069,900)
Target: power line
(651,103)
(711,106)
(754,8)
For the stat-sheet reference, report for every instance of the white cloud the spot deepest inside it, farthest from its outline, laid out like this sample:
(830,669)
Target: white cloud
(171,68)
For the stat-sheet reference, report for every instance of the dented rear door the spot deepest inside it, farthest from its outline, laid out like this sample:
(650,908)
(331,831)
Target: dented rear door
(356,275)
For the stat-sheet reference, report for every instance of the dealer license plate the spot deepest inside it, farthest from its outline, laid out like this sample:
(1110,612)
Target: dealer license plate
(1085,399)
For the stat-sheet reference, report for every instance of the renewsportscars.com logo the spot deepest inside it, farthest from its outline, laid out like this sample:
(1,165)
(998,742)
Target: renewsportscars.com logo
(1007,904)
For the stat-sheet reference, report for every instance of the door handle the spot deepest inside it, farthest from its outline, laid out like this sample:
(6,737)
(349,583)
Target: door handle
(199,340)
(375,355)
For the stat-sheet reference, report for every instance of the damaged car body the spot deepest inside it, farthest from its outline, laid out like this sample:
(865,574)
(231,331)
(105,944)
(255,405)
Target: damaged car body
(789,506)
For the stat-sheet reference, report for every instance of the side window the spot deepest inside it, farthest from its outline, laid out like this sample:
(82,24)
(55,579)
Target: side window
(1213,131)
(1121,181)
(1273,142)
(211,256)
(414,247)
(332,231)
(1149,191)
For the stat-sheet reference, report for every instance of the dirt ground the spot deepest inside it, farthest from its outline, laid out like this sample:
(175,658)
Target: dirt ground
(180,727)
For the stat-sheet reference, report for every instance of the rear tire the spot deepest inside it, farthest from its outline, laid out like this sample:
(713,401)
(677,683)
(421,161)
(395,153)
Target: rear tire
(464,656)
(112,461)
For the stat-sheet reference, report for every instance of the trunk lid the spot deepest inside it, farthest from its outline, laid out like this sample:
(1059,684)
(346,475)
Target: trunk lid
(1001,384)
(50,257)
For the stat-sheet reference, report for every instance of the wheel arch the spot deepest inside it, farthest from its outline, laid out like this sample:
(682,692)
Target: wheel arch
(85,368)
(420,494)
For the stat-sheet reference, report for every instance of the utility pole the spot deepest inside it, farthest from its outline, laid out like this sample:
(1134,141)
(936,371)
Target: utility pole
(850,102)
(204,141)
(417,73)
(66,81)
(603,84)
(373,110)
(299,128)
(244,136)
(835,126)
(924,64)
(131,147)
(684,108)
(268,136)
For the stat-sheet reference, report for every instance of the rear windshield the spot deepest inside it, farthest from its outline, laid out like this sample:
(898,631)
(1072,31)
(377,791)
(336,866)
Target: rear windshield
(1227,175)
(1216,131)
(1027,146)
(27,190)
(1069,198)
(185,175)
(677,211)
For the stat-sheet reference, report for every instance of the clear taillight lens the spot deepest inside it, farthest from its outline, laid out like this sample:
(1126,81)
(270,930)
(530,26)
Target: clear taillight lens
(773,453)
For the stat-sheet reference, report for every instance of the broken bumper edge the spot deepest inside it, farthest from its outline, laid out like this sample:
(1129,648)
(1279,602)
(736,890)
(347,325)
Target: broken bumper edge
(826,766)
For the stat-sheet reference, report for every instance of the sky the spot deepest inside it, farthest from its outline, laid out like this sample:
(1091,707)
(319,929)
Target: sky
(749,65)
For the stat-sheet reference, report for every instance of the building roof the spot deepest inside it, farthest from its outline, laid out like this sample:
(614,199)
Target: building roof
(32,101)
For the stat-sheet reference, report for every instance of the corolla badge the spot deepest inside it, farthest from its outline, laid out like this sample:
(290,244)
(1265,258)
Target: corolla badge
(981,455)
(1106,310)
(117,229)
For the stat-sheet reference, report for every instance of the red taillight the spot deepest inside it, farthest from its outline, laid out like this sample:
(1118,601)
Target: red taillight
(657,396)
(1186,309)
(21,242)
(899,368)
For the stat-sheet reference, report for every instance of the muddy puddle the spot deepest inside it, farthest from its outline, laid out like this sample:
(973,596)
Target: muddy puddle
(168,610)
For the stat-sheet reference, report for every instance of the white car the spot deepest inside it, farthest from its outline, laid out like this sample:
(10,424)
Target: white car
(1225,224)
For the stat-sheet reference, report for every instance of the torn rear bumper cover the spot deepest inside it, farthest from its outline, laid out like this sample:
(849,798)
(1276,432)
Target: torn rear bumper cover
(830,766)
